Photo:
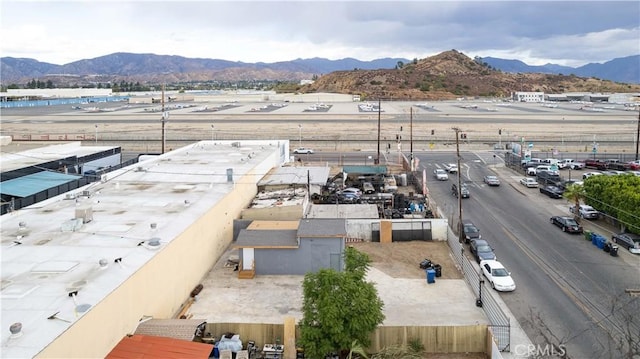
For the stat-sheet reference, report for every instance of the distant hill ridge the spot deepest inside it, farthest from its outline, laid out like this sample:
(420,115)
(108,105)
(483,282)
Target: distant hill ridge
(151,68)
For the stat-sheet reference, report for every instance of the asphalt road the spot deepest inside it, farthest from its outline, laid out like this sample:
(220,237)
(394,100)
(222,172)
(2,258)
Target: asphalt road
(566,286)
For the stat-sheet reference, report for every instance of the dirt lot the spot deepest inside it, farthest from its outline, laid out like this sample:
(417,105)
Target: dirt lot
(401,259)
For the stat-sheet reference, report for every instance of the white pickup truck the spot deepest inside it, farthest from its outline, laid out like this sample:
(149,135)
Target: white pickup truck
(572,164)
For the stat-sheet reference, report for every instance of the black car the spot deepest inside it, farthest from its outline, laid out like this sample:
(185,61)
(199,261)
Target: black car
(552,191)
(470,231)
(567,224)
(481,250)
(630,241)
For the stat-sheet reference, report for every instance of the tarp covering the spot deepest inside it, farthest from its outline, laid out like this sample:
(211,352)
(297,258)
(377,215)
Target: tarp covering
(34,183)
(365,169)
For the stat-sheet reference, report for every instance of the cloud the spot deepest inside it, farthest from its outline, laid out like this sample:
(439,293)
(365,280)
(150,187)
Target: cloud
(563,32)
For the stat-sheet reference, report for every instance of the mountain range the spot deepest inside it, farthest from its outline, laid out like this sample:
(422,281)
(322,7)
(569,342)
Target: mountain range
(151,68)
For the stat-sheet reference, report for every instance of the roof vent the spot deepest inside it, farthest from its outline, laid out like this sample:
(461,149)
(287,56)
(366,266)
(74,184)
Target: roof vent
(235,144)
(86,194)
(153,225)
(139,169)
(70,196)
(22,226)
(16,330)
(154,242)
(103,263)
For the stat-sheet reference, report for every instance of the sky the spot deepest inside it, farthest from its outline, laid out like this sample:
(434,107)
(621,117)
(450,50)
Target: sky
(569,33)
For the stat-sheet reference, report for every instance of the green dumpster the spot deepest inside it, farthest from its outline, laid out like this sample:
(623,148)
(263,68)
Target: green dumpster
(587,234)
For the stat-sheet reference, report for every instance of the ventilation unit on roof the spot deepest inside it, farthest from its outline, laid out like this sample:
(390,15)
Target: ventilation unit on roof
(16,330)
(86,194)
(140,169)
(235,144)
(70,196)
(84,213)
(103,178)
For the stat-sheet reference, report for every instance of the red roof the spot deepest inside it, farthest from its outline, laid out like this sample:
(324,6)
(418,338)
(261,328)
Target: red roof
(147,347)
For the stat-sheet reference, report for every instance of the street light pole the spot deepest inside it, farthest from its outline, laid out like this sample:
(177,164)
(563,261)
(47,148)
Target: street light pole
(299,135)
(211,132)
(96,134)
(638,134)
(378,156)
(460,231)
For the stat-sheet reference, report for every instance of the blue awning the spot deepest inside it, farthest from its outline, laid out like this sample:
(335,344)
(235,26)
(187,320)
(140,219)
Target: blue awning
(34,183)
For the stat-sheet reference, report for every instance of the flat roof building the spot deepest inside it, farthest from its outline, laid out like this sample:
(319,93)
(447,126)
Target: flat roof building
(130,246)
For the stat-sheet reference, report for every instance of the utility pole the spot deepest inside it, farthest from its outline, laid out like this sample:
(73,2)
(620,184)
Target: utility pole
(378,157)
(411,138)
(163,119)
(460,231)
(638,133)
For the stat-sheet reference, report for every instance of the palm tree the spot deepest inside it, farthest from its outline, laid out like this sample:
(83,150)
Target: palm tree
(575,193)
(357,348)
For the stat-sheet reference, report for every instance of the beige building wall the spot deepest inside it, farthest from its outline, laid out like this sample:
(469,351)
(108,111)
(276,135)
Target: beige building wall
(159,288)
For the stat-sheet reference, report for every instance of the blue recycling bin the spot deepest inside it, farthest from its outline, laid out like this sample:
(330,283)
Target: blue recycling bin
(600,241)
(594,239)
(431,275)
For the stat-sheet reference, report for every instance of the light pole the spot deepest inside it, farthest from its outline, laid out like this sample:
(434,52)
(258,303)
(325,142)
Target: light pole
(96,134)
(211,132)
(300,136)
(638,134)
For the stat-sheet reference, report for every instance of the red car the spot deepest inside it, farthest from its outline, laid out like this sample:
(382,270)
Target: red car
(634,165)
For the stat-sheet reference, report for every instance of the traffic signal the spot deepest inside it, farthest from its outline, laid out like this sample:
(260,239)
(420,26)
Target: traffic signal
(433,132)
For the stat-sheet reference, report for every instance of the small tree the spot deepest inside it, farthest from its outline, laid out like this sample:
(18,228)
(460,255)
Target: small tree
(339,307)
(574,194)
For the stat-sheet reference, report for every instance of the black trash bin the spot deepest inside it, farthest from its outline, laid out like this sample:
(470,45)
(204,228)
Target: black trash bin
(614,250)
(438,269)
(607,247)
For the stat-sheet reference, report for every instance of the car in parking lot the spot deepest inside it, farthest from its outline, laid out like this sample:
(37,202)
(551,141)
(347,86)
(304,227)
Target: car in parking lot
(497,275)
(552,191)
(567,224)
(529,182)
(634,165)
(591,174)
(464,191)
(441,175)
(585,211)
(470,231)
(630,241)
(303,150)
(481,250)
(491,180)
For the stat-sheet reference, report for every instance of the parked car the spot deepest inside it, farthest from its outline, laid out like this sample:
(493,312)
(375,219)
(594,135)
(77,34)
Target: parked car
(630,241)
(497,275)
(548,178)
(589,174)
(450,167)
(572,164)
(491,180)
(597,164)
(567,224)
(441,175)
(464,191)
(634,165)
(470,231)
(481,250)
(531,171)
(367,188)
(529,182)
(303,150)
(352,190)
(585,211)
(616,165)
(552,191)
(547,168)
